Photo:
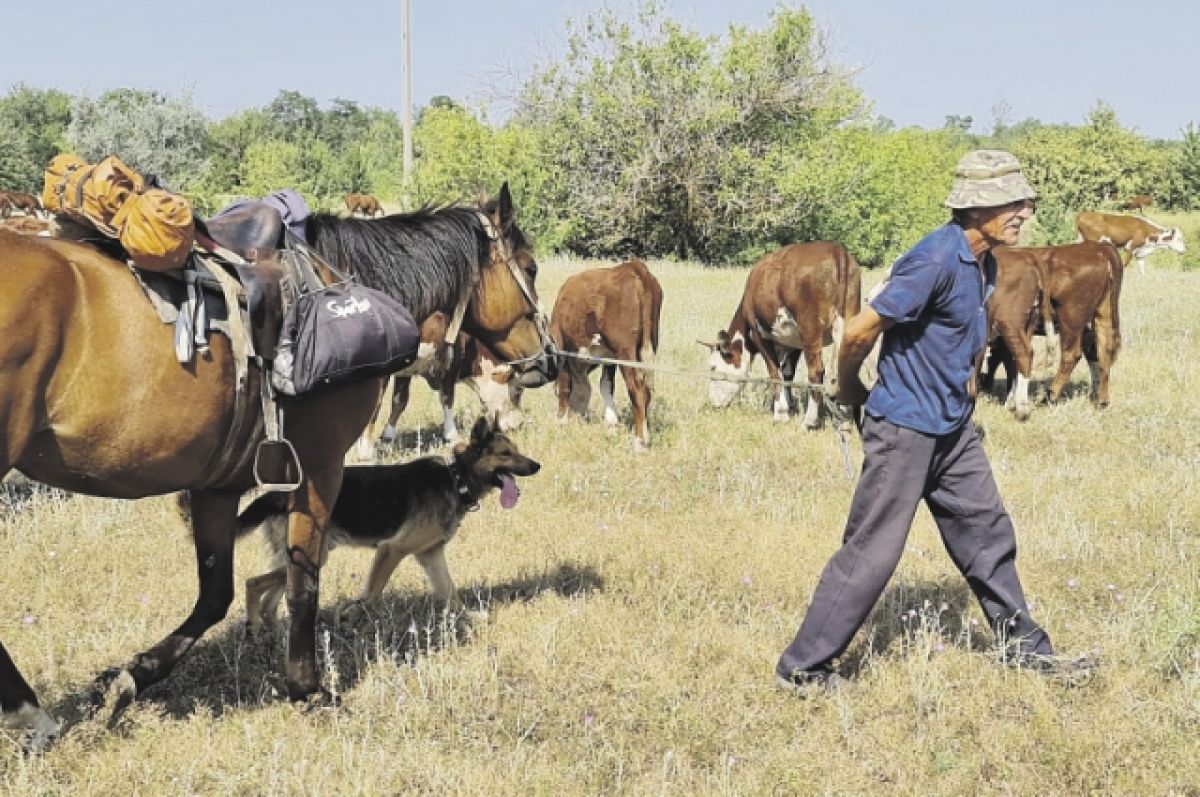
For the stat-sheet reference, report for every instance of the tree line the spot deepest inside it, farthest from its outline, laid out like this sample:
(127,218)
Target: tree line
(645,139)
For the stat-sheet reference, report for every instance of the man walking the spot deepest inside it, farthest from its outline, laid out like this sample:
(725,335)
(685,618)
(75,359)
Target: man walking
(918,439)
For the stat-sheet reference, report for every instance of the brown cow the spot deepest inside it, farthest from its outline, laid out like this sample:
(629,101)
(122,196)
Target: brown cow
(365,204)
(797,299)
(1081,283)
(608,312)
(1138,237)
(1017,310)
(27,203)
(1138,202)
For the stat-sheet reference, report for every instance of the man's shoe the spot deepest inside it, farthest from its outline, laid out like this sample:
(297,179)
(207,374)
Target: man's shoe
(806,683)
(1072,669)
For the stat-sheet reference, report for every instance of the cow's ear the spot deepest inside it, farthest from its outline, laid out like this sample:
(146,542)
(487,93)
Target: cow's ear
(723,342)
(481,431)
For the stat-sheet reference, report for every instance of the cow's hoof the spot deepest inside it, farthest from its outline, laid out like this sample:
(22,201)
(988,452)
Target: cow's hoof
(1022,412)
(640,446)
(781,417)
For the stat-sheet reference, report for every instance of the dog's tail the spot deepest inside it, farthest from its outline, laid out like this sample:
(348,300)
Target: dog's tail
(257,513)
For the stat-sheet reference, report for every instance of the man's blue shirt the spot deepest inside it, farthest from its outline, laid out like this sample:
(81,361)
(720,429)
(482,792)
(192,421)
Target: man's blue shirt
(937,295)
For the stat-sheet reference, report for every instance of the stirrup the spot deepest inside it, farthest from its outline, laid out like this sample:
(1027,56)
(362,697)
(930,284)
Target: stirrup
(275,449)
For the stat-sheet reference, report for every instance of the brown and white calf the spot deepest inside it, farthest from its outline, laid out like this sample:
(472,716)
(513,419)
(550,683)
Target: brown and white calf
(614,313)
(1138,237)
(1018,309)
(1081,291)
(797,300)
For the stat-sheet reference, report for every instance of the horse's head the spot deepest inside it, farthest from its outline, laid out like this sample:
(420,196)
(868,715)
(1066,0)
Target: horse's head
(505,313)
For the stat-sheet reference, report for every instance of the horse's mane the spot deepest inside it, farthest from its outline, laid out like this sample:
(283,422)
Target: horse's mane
(425,259)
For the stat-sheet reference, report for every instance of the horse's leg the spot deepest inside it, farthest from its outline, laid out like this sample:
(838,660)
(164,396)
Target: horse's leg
(400,392)
(445,390)
(608,384)
(309,513)
(213,519)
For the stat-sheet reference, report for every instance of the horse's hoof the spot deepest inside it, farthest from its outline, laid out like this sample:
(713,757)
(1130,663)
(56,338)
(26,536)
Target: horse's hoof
(122,690)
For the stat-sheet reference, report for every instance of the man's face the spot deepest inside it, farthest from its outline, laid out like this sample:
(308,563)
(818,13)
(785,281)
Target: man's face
(1002,225)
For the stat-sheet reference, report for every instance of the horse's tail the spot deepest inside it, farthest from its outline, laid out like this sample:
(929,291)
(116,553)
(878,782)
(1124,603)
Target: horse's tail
(250,518)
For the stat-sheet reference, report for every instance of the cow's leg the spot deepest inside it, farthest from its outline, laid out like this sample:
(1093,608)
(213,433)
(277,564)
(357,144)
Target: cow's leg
(401,385)
(1141,265)
(639,397)
(580,391)
(608,384)
(214,516)
(1018,365)
(782,405)
(815,363)
(1070,331)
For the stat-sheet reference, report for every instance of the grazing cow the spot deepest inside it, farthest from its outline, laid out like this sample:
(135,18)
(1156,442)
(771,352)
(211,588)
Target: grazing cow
(1138,237)
(27,203)
(608,312)
(1081,291)
(365,204)
(797,299)
(1138,202)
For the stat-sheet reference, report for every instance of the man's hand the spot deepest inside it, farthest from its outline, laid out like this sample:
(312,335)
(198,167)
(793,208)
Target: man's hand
(851,392)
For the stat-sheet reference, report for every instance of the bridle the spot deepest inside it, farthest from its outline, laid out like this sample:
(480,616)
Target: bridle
(500,250)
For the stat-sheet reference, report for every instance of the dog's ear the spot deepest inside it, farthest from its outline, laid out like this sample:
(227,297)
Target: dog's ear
(482,430)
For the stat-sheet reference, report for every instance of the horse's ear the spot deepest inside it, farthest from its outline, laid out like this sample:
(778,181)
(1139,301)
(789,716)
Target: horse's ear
(505,206)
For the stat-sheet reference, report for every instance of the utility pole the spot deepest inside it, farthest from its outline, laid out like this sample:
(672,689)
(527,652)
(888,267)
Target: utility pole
(408,142)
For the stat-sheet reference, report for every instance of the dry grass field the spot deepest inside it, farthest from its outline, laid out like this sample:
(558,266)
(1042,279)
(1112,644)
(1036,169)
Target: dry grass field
(631,608)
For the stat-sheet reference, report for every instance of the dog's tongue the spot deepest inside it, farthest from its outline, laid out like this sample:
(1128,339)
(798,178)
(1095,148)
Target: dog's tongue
(508,491)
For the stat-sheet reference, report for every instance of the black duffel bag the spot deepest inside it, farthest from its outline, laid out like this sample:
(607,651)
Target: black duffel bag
(339,333)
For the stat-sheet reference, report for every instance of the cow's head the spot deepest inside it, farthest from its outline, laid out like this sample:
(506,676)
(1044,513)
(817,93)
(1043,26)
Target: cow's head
(1172,239)
(727,356)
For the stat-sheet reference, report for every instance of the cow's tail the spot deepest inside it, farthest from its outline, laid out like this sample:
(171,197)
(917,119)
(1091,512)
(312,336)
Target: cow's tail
(650,308)
(1108,314)
(849,282)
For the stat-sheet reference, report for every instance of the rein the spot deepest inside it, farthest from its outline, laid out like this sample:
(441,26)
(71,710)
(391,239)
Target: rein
(839,415)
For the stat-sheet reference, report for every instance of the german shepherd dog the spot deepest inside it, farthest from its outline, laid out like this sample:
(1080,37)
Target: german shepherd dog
(412,508)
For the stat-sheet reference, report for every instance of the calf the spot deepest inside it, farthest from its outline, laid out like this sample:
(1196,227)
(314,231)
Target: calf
(608,312)
(1017,309)
(1081,291)
(1138,237)
(797,299)
(365,204)
(1138,202)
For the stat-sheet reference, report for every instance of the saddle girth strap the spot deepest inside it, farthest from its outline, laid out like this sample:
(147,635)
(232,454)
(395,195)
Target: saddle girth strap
(234,452)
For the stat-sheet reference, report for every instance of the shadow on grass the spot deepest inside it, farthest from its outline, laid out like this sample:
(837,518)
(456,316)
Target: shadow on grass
(234,669)
(912,618)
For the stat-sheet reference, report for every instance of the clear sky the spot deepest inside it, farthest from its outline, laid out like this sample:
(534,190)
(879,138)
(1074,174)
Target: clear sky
(917,60)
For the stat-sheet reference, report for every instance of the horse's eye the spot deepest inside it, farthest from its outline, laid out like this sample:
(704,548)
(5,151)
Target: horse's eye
(531,269)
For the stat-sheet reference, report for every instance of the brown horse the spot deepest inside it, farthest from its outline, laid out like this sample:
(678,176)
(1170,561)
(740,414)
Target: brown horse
(500,303)
(93,400)
(365,204)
